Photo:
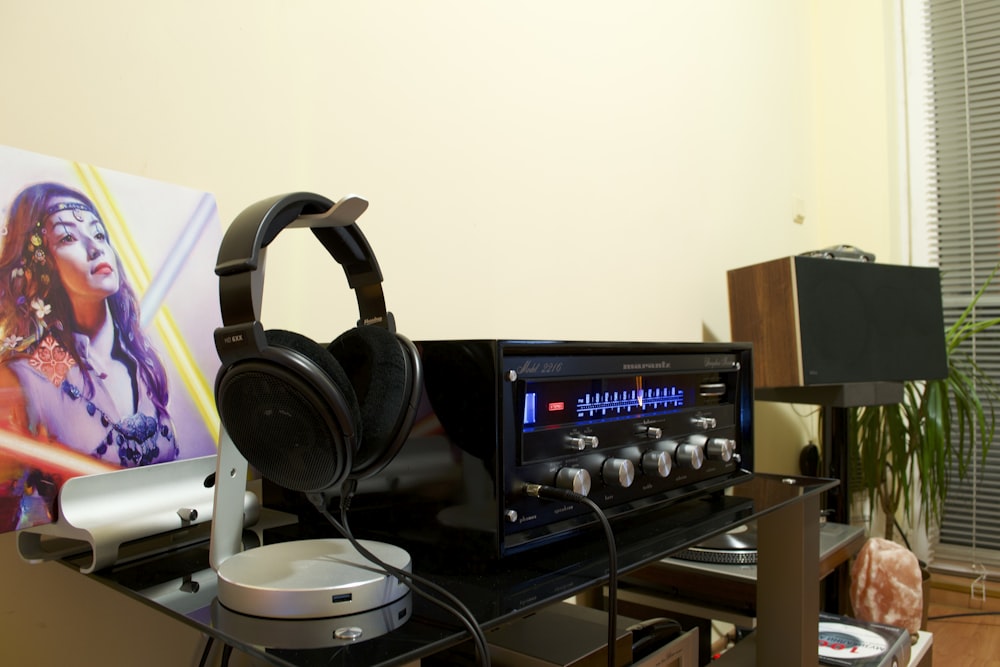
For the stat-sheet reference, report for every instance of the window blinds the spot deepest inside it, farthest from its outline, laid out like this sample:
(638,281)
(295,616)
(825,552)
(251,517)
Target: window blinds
(964,60)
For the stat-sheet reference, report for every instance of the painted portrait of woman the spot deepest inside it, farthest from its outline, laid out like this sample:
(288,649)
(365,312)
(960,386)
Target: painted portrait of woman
(75,367)
(106,345)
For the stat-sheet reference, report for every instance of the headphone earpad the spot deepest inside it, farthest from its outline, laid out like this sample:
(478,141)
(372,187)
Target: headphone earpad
(291,412)
(326,363)
(374,360)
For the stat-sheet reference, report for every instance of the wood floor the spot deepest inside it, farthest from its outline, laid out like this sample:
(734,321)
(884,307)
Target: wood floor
(965,641)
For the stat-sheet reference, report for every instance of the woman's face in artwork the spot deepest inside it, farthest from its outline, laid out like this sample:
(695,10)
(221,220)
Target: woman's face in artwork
(83,256)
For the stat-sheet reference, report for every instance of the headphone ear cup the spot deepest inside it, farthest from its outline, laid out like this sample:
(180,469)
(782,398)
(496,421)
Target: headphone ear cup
(326,363)
(287,412)
(382,374)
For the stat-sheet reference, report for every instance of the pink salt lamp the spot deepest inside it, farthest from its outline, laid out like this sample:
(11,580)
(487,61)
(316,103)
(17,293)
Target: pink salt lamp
(886,586)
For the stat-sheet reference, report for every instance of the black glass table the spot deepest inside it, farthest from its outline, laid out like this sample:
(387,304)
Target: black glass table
(181,583)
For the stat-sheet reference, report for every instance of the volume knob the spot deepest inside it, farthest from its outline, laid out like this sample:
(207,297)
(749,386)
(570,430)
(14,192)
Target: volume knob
(576,480)
(618,472)
(720,449)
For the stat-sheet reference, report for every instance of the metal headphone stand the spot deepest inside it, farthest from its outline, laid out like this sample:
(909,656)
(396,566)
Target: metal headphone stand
(304,579)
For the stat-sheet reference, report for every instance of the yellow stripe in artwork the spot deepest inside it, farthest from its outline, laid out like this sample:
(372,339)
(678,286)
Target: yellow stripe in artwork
(139,276)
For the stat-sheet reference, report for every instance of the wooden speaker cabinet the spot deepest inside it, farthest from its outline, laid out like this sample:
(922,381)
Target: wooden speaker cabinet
(817,321)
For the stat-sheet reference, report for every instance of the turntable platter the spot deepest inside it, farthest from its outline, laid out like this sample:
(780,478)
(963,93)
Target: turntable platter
(735,547)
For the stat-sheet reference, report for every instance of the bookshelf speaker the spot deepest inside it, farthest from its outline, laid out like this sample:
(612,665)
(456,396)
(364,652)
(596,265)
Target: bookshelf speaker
(817,321)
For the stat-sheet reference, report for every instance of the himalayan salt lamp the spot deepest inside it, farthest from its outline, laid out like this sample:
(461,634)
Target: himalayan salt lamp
(886,586)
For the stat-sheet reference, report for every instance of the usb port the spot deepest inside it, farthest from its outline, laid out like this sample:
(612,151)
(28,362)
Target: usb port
(343,597)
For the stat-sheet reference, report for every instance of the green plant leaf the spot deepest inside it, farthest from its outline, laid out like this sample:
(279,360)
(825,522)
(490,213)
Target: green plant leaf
(912,449)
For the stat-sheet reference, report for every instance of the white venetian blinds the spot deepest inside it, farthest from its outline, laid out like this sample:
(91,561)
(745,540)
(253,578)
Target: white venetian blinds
(963,51)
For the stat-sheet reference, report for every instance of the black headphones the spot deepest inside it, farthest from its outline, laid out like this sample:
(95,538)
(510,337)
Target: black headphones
(305,415)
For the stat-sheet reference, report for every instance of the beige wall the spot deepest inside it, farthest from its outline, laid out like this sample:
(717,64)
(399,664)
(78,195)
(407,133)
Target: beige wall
(562,169)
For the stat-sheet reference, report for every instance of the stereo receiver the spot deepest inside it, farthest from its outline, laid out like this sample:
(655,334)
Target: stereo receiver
(632,426)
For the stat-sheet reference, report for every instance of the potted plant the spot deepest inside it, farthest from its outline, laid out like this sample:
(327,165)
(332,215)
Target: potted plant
(907,451)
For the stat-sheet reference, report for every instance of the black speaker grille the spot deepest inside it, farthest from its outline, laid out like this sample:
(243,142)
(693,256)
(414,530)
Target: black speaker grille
(279,426)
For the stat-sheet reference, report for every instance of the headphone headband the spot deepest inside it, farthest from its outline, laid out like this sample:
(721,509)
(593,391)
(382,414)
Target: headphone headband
(305,414)
(243,250)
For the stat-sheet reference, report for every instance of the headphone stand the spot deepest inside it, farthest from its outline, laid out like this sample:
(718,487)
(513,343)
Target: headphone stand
(318,578)
(311,633)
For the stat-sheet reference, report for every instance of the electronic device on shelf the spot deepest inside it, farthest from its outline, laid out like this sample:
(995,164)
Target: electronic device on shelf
(570,635)
(847,641)
(633,426)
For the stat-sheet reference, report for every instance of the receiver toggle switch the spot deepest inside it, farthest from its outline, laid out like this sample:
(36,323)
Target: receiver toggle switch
(581,442)
(685,454)
(651,432)
(576,480)
(705,422)
(618,472)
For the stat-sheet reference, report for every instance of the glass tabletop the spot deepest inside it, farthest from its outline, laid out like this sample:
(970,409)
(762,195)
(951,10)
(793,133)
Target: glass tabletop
(182,584)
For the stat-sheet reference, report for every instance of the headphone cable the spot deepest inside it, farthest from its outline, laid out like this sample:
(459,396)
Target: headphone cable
(554,493)
(453,605)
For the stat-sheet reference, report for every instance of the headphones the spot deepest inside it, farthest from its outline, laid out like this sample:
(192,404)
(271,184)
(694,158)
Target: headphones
(309,416)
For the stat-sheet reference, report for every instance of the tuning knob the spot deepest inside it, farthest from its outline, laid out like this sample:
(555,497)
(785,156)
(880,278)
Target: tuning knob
(685,454)
(618,472)
(576,480)
(656,463)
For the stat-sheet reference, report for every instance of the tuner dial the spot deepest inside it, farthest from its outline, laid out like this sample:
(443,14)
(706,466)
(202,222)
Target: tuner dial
(685,454)
(656,464)
(576,480)
(618,472)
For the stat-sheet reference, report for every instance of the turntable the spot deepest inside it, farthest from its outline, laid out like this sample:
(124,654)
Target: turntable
(735,547)
(717,578)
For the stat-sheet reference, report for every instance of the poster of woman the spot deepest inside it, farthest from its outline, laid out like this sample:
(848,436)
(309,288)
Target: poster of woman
(107,308)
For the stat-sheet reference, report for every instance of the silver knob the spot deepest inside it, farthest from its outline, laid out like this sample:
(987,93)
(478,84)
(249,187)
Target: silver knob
(618,472)
(685,454)
(581,442)
(656,463)
(651,432)
(704,422)
(576,480)
(721,449)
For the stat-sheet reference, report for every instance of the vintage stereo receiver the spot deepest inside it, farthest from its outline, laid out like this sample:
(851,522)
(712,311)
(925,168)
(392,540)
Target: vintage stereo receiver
(632,426)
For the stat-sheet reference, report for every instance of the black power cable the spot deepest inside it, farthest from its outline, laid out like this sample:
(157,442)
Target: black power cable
(453,605)
(554,493)
(209,642)
(966,614)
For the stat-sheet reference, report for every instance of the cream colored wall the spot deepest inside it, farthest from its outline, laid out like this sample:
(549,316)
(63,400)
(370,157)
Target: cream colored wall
(566,169)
